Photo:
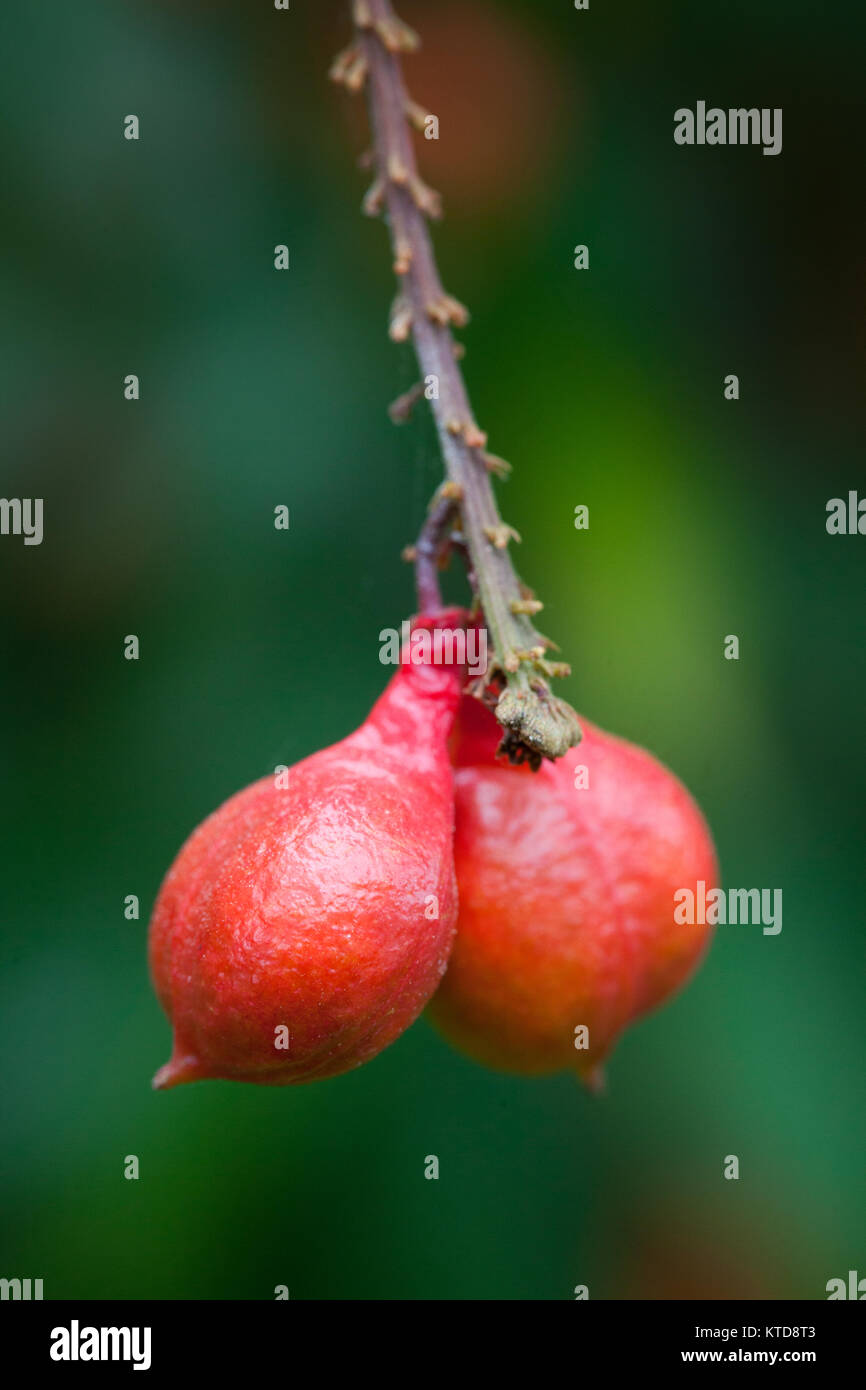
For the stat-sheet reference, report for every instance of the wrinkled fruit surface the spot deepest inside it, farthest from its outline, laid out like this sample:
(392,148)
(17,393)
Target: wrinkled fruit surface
(566,899)
(310,908)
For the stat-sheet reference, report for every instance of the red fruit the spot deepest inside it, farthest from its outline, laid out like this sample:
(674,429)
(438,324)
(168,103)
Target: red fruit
(566,899)
(311,908)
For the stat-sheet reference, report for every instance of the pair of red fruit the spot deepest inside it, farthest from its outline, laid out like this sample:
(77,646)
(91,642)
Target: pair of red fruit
(305,926)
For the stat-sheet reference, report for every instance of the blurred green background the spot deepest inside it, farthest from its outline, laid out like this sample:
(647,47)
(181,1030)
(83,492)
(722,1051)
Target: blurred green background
(258,646)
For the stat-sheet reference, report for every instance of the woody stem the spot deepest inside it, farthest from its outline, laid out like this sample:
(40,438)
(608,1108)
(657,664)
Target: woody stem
(535,723)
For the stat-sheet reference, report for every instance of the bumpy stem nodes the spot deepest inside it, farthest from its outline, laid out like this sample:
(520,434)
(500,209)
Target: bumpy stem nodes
(535,723)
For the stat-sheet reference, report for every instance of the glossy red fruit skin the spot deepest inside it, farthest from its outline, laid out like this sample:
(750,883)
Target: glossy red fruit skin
(310,907)
(566,899)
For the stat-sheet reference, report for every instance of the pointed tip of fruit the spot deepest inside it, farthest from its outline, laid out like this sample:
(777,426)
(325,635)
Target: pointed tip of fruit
(180,1069)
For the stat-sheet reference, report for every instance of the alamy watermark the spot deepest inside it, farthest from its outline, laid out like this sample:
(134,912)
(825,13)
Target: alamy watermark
(854,1288)
(22,516)
(76,1343)
(20,1289)
(846,518)
(734,126)
(444,646)
(720,907)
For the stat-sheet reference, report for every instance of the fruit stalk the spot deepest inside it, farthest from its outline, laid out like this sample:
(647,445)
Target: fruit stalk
(536,724)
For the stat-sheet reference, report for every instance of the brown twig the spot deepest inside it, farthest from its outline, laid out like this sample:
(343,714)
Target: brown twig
(431,548)
(536,724)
